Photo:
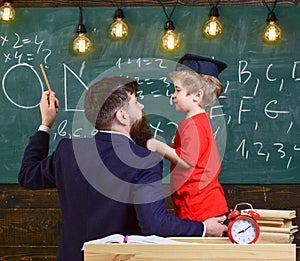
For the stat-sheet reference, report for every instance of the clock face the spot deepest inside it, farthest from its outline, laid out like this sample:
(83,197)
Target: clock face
(244,230)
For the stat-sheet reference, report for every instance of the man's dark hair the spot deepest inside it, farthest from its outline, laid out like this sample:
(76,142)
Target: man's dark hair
(105,97)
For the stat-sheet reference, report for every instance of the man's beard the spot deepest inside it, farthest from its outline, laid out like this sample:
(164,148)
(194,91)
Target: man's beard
(140,131)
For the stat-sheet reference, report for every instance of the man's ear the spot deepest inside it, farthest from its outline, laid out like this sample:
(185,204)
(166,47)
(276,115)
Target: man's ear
(121,116)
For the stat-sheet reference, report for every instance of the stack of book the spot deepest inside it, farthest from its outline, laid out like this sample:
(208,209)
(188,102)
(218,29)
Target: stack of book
(276,226)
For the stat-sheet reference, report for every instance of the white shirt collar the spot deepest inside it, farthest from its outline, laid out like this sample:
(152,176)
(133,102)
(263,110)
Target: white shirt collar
(117,132)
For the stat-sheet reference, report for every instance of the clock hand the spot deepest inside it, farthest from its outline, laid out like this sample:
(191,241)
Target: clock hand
(242,231)
(247,228)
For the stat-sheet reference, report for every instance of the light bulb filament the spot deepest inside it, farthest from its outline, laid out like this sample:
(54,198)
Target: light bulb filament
(170,41)
(212,28)
(6,14)
(81,45)
(119,30)
(272,33)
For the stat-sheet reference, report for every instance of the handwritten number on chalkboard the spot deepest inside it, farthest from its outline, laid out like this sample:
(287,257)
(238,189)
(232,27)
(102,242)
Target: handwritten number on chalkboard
(165,81)
(40,43)
(296,148)
(138,62)
(161,63)
(18,56)
(260,146)
(241,147)
(244,152)
(280,150)
(17,42)
(168,94)
(140,94)
(118,63)
(138,80)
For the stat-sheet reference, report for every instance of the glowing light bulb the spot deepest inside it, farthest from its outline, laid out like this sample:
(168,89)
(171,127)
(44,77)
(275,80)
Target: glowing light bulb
(7,12)
(212,28)
(82,45)
(119,30)
(271,33)
(170,41)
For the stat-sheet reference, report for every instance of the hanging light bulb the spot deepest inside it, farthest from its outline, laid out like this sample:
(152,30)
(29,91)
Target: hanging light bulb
(212,28)
(271,33)
(119,30)
(170,41)
(7,12)
(82,45)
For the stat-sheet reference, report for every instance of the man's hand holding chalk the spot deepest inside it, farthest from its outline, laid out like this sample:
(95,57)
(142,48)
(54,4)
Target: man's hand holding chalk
(49,104)
(48,107)
(49,88)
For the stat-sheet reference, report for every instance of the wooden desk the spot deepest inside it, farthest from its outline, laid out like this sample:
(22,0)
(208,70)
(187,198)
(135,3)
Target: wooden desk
(208,249)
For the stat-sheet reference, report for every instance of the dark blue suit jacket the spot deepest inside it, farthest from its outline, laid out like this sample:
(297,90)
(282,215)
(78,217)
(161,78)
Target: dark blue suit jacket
(106,184)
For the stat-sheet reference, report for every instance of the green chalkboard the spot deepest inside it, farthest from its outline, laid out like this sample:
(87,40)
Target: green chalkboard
(256,120)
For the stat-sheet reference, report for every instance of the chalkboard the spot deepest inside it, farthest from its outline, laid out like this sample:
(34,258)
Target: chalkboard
(255,121)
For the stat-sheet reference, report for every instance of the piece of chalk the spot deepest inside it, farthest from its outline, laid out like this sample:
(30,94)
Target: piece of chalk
(45,77)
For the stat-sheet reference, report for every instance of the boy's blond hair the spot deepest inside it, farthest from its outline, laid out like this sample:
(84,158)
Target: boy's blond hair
(192,82)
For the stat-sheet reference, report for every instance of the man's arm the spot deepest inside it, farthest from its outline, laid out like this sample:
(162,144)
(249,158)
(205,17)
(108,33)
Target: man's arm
(150,206)
(34,172)
(154,219)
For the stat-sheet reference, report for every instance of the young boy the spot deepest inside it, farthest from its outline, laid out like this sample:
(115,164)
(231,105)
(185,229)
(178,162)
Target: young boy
(195,162)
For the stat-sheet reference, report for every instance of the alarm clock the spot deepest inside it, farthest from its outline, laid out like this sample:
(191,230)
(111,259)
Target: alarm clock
(243,227)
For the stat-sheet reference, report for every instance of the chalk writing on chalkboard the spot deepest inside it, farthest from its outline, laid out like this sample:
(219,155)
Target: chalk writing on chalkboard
(255,121)
(165,90)
(18,43)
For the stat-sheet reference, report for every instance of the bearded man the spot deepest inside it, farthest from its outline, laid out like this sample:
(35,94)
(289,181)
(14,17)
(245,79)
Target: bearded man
(106,184)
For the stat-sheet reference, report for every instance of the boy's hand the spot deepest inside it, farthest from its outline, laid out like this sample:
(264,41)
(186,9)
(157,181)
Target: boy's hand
(151,144)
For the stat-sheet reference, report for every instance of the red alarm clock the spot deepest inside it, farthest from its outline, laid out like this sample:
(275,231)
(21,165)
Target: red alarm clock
(243,227)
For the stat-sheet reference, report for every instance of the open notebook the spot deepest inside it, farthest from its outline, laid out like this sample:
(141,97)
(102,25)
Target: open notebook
(135,239)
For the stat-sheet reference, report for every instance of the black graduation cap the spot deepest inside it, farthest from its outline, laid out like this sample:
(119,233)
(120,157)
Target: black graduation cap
(200,64)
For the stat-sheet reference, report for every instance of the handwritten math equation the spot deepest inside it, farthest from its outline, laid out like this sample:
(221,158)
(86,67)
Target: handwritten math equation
(17,51)
(238,101)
